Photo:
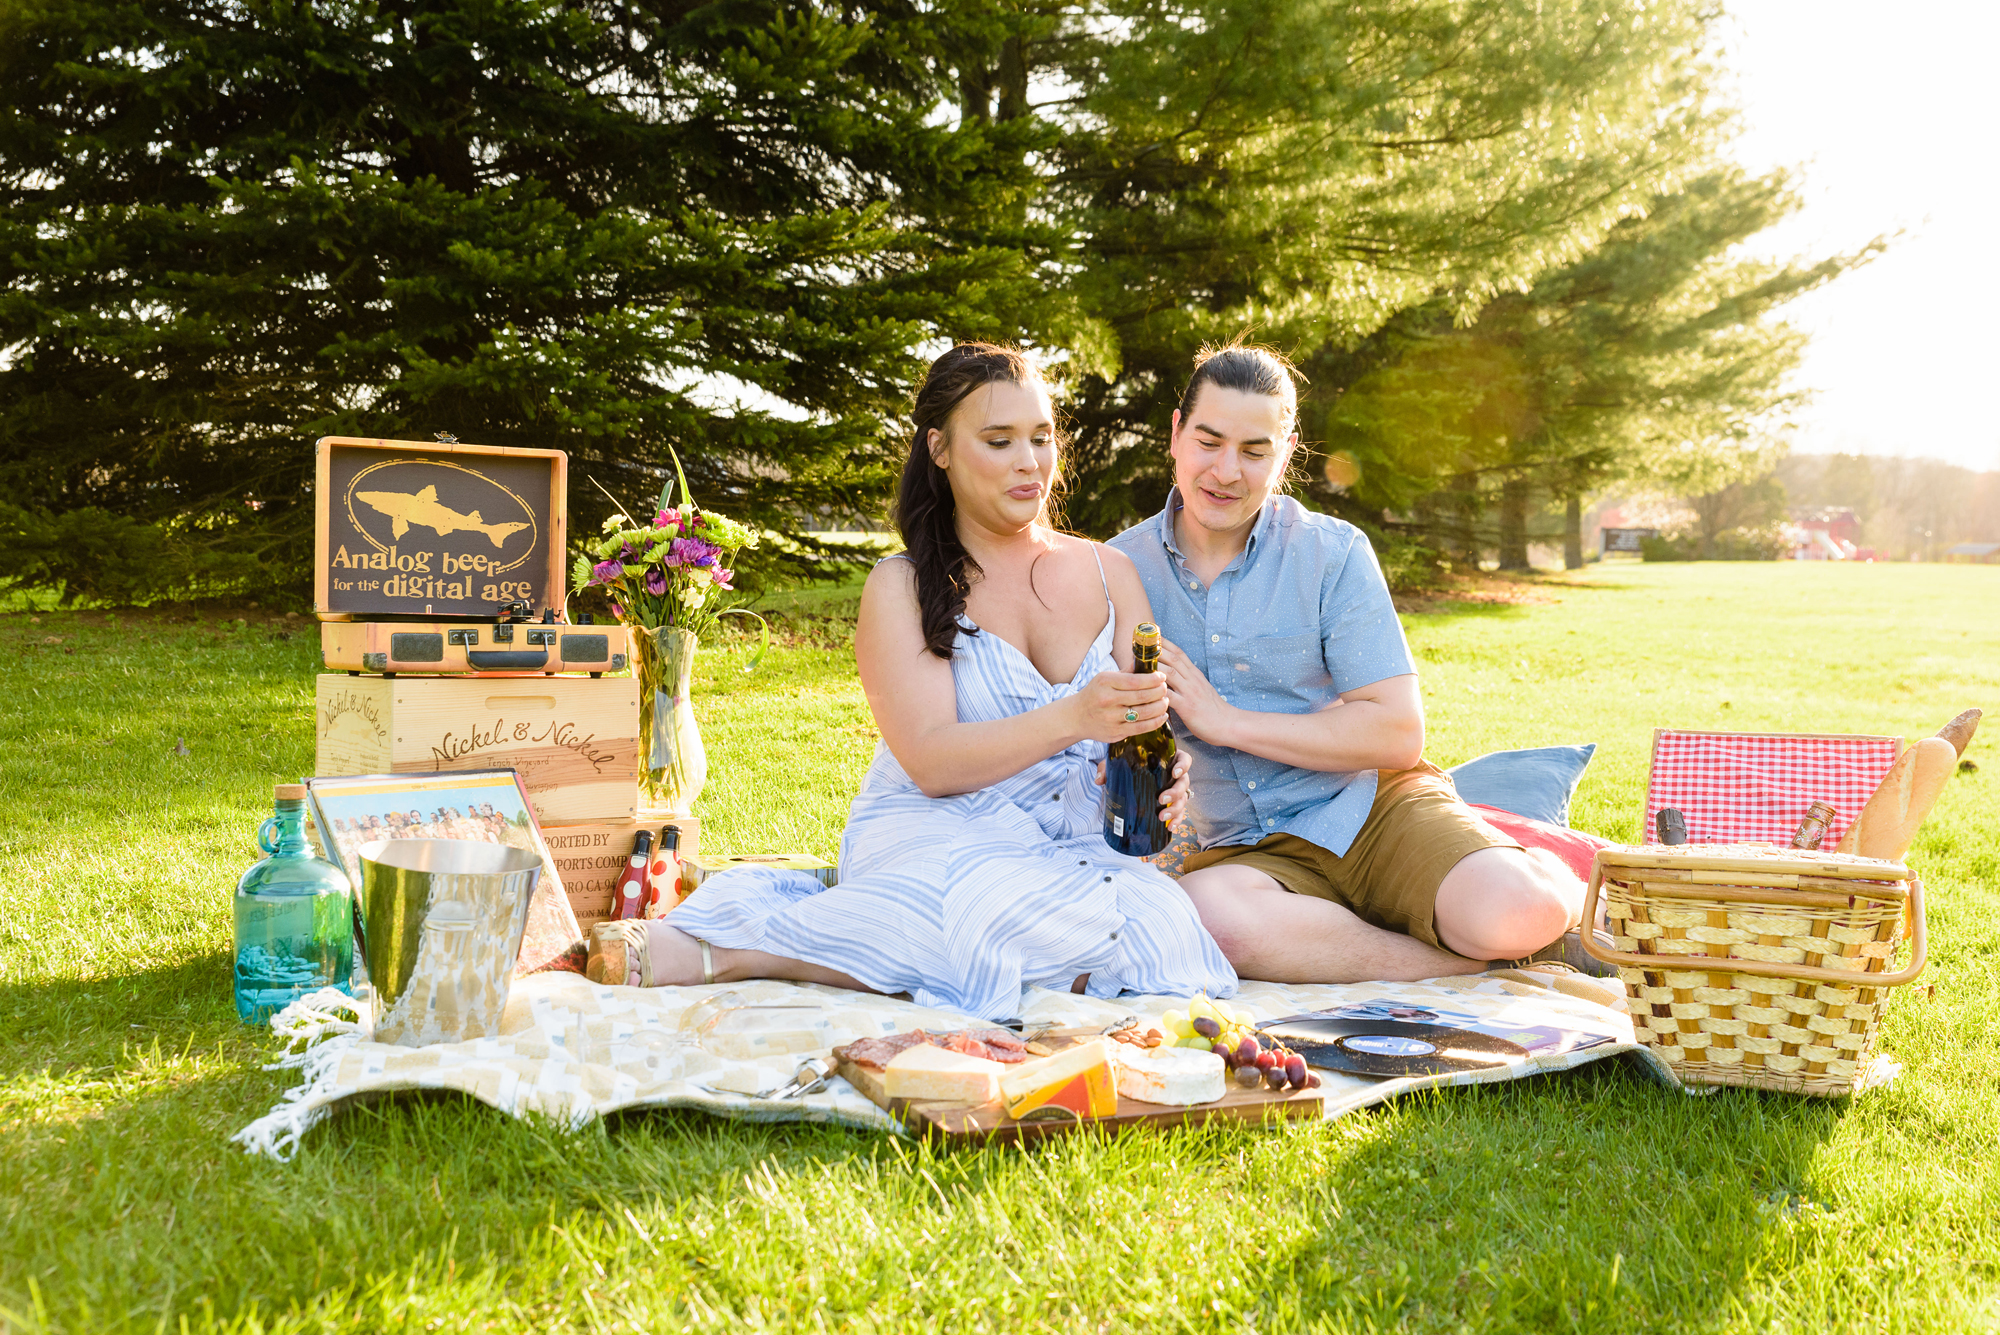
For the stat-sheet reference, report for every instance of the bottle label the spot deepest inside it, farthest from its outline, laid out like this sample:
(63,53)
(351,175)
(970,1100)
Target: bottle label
(1118,826)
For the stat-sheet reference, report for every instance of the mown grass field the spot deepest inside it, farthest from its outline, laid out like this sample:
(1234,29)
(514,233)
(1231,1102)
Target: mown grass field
(1594,1200)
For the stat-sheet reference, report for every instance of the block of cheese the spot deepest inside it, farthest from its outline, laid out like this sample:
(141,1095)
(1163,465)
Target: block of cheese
(1077,1078)
(929,1072)
(1169,1075)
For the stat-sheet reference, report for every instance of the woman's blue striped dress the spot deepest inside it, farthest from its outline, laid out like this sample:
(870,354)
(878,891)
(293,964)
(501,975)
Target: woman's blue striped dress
(962,901)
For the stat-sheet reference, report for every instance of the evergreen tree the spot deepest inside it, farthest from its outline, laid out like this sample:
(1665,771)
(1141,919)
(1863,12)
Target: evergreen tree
(230,226)
(1654,359)
(1305,169)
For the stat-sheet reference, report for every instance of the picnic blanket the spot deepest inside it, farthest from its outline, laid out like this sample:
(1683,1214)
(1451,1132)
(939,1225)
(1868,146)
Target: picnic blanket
(574,1050)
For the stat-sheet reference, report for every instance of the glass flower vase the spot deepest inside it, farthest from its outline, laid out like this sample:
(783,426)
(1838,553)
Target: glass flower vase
(673,763)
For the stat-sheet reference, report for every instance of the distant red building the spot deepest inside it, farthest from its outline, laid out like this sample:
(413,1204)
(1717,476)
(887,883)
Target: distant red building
(1829,534)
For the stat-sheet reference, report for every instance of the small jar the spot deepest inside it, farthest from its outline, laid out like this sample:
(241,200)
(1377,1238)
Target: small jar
(294,917)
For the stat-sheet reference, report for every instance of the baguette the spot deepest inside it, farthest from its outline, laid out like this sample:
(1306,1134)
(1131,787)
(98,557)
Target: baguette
(1959,731)
(1887,826)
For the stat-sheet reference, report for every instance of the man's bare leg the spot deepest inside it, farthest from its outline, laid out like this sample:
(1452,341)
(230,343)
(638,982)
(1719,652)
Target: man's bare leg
(1506,903)
(1268,932)
(676,960)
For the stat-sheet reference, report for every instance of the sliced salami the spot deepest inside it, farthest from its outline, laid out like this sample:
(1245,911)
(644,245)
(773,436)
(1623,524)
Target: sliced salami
(992,1044)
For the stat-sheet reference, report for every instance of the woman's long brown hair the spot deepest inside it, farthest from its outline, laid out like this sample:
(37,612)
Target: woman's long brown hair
(925,509)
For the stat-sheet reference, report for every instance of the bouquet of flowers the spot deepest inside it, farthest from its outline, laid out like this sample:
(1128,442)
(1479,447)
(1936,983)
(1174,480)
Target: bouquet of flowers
(667,573)
(667,580)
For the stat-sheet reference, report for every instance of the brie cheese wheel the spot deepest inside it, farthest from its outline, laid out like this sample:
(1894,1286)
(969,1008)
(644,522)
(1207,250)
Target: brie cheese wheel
(1169,1075)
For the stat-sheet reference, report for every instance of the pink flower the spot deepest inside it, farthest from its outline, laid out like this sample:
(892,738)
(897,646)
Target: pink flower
(722,578)
(656,582)
(667,518)
(606,571)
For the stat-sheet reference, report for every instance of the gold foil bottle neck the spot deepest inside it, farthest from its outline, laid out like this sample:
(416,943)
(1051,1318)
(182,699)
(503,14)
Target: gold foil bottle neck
(1145,633)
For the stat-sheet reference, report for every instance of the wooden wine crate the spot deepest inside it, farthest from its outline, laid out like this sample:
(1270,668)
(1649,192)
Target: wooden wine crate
(591,857)
(574,740)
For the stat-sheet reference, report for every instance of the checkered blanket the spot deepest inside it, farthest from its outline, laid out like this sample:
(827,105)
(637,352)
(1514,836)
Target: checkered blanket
(1748,787)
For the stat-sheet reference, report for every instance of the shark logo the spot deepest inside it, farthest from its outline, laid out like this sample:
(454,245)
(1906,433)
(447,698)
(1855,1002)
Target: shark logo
(460,518)
(423,509)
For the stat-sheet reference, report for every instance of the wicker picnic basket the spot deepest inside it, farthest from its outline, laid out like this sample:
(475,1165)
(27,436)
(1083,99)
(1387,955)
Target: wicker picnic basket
(1750,964)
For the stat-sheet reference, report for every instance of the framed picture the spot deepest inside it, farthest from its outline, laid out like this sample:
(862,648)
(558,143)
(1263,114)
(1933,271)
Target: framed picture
(488,806)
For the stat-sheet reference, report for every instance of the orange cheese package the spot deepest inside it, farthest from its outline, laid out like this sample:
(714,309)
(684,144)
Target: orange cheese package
(1079,1079)
(927,1072)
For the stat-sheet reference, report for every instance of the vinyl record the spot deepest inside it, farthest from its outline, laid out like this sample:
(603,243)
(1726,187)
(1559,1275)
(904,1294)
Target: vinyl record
(1389,1049)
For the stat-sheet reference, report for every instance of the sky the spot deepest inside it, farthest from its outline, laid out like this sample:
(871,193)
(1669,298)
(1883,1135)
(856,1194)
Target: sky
(1887,109)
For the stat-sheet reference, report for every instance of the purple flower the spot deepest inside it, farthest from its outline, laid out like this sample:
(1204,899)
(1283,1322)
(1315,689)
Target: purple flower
(656,581)
(617,611)
(606,571)
(693,552)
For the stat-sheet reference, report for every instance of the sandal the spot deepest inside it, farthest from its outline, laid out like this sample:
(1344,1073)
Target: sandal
(618,950)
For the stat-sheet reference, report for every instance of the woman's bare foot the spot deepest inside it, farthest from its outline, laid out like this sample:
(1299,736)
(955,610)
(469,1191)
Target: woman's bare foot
(651,953)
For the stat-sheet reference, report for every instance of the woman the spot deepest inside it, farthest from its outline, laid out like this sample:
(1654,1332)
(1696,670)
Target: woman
(996,656)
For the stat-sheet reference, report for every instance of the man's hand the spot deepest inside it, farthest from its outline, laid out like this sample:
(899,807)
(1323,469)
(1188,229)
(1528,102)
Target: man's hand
(1202,711)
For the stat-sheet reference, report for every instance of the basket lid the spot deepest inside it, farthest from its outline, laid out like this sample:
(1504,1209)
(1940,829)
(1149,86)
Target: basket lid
(1768,858)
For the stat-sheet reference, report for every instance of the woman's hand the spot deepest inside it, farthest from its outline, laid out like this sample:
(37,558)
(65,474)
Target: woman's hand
(1103,705)
(1173,802)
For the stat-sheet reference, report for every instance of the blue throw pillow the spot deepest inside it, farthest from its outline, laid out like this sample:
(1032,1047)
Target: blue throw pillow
(1535,783)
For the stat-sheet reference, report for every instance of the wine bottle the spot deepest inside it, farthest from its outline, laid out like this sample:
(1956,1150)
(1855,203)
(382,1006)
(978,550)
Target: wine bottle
(628,897)
(663,875)
(1138,769)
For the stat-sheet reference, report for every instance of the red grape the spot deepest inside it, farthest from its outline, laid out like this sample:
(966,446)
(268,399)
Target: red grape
(1249,1077)
(1312,1080)
(1222,1050)
(1246,1052)
(1275,1078)
(1265,1060)
(1206,1027)
(1295,1070)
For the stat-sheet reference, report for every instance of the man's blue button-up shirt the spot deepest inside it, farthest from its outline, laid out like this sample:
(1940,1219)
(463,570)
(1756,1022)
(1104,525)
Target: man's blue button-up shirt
(1299,617)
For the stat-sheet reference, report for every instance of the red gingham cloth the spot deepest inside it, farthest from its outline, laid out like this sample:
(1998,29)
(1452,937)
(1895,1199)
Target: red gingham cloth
(1744,787)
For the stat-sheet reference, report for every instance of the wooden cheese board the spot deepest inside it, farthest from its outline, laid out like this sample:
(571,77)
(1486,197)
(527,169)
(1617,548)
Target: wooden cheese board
(963,1122)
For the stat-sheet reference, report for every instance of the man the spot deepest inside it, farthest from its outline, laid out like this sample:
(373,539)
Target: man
(1330,851)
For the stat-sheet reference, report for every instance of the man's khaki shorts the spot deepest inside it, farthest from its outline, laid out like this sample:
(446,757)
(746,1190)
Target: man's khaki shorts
(1416,831)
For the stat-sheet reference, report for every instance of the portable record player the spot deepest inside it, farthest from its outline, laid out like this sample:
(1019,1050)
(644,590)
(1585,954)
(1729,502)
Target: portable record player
(446,559)
(512,644)
(440,531)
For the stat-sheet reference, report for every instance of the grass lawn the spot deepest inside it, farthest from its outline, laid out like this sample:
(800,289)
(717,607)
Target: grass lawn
(1589,1200)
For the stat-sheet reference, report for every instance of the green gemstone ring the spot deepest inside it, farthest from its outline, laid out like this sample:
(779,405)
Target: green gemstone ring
(1131,716)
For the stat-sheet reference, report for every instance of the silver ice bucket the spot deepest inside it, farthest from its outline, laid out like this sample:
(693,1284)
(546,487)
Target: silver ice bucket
(443,920)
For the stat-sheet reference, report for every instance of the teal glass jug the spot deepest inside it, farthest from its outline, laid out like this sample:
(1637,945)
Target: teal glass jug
(294,917)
